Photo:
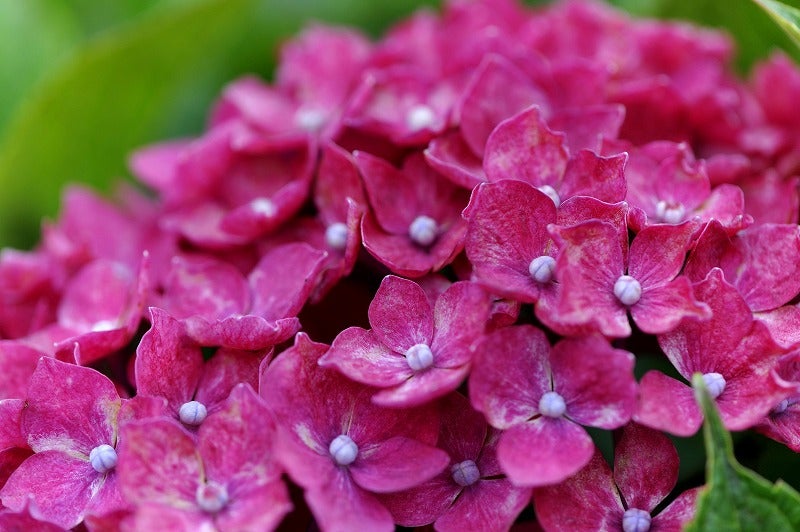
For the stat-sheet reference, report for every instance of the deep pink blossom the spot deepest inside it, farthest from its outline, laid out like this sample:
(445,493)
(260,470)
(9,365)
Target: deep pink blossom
(645,471)
(415,223)
(252,313)
(472,493)
(228,479)
(540,398)
(339,446)
(170,366)
(71,424)
(601,282)
(734,352)
(415,351)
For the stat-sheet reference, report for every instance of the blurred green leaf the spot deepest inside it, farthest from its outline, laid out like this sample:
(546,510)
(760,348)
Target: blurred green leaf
(735,498)
(149,80)
(787,17)
(34,36)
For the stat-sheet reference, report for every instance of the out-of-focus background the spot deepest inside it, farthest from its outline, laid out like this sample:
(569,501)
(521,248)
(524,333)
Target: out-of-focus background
(84,82)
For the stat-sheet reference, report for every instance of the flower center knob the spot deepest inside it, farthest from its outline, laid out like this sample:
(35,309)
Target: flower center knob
(211,497)
(670,212)
(551,193)
(628,290)
(420,117)
(103,458)
(465,473)
(343,449)
(419,357)
(192,413)
(309,119)
(715,384)
(635,520)
(263,206)
(552,405)
(336,236)
(423,230)
(542,269)
(781,408)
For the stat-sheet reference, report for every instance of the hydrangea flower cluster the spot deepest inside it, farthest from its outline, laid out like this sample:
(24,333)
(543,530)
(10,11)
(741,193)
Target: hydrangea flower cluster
(397,284)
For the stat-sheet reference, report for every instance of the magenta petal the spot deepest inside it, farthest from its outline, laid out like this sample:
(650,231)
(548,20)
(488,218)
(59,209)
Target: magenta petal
(237,440)
(397,464)
(510,374)
(668,405)
(204,287)
(507,230)
(249,333)
(487,505)
(497,90)
(587,501)
(645,466)
(18,362)
(158,463)
(658,252)
(284,279)
(595,380)
(678,514)
(662,308)
(422,387)
(400,314)
(524,148)
(460,316)
(589,263)
(588,174)
(60,485)
(453,158)
(342,505)
(586,126)
(543,451)
(423,504)
(783,324)
(10,424)
(255,507)
(167,364)
(90,398)
(362,357)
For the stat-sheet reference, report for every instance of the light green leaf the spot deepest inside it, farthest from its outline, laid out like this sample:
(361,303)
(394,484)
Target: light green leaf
(787,17)
(145,82)
(735,498)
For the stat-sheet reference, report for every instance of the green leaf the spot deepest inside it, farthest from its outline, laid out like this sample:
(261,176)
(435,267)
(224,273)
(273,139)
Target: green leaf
(736,498)
(143,82)
(787,17)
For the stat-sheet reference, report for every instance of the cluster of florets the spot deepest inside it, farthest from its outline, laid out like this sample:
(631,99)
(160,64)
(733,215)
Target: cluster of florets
(404,277)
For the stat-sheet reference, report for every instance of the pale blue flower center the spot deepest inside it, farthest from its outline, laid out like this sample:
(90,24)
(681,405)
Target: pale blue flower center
(419,357)
(420,117)
(336,236)
(782,406)
(103,458)
(343,449)
(628,290)
(309,119)
(715,384)
(552,405)
(192,413)
(423,230)
(635,520)
(551,193)
(465,473)
(670,212)
(263,207)
(542,269)
(211,497)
